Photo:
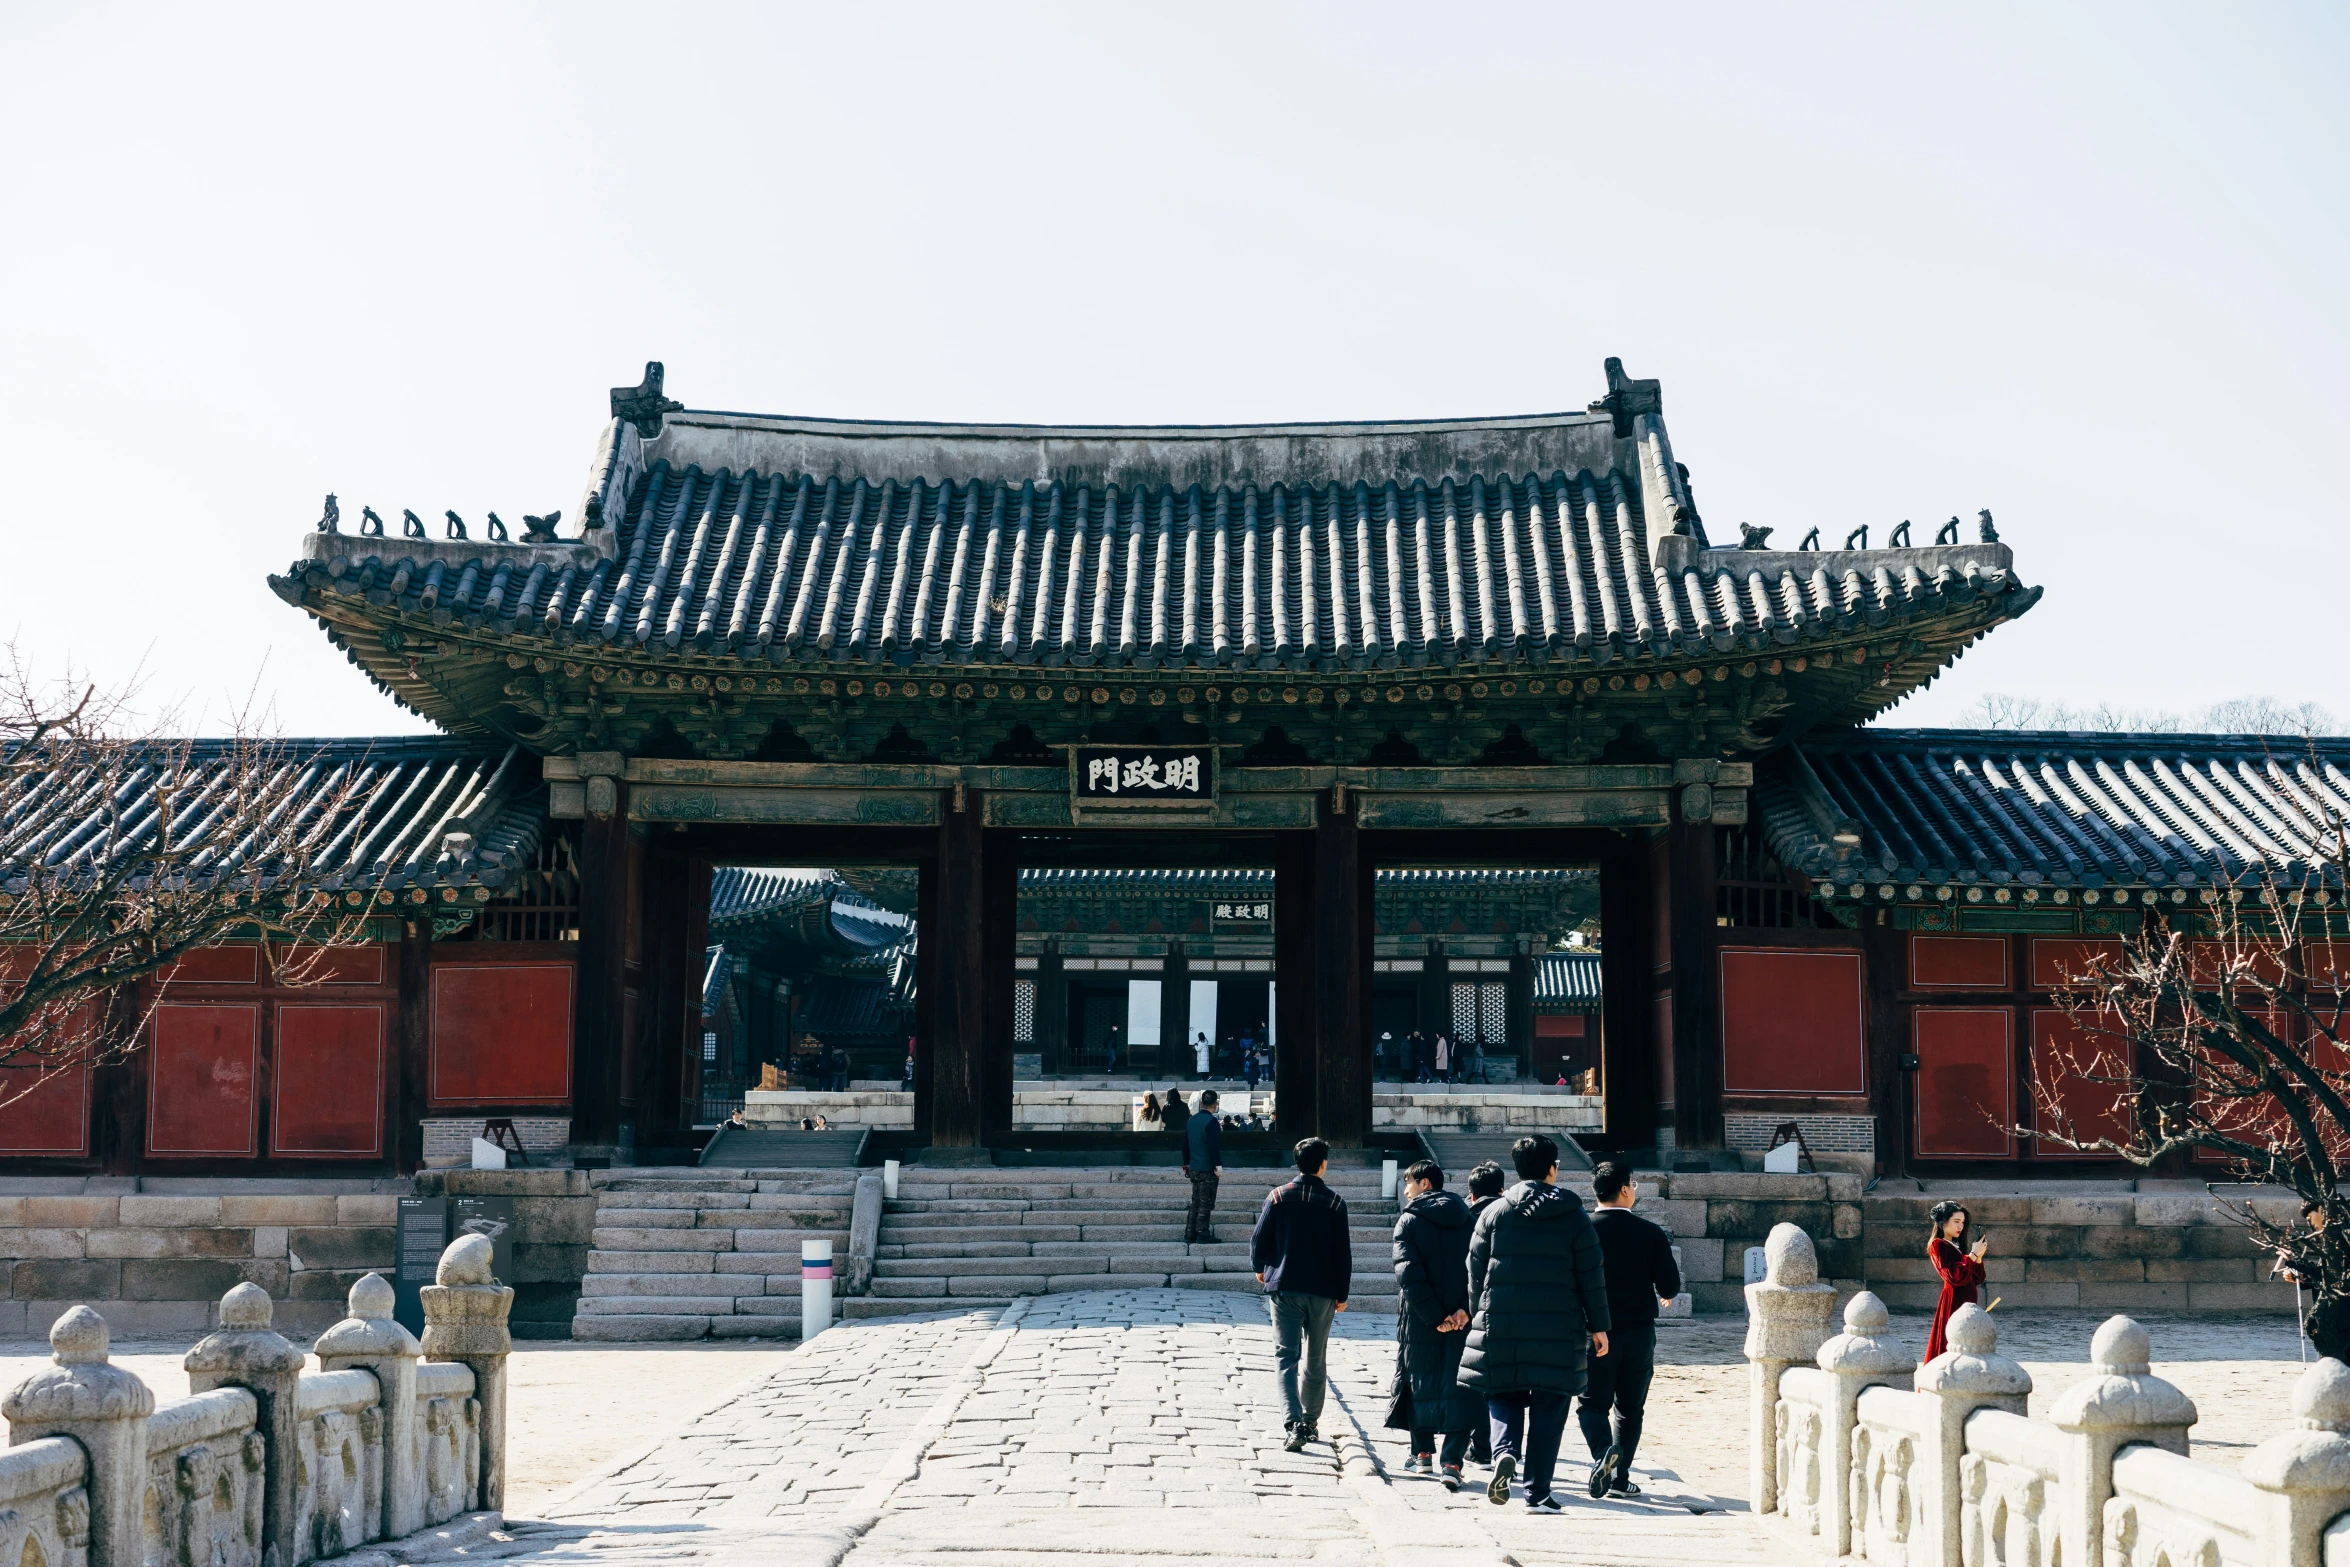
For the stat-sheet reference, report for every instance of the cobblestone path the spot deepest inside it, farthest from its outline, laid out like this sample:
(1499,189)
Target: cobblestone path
(1131,1426)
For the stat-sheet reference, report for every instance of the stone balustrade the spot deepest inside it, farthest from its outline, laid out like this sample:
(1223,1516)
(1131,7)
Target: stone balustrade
(1942,1468)
(264,1464)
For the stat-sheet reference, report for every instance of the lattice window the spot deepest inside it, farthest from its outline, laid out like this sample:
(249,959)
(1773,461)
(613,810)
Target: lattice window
(1750,888)
(1464,1011)
(542,904)
(1024,1011)
(1493,1013)
(710,1048)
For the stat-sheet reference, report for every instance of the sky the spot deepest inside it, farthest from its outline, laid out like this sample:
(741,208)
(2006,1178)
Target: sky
(2080,265)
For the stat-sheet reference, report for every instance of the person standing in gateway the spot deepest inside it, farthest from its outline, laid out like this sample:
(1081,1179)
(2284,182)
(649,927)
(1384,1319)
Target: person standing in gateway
(1203,1160)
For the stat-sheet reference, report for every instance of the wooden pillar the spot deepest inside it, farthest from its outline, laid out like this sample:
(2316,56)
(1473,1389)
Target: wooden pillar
(1175,1057)
(1435,1009)
(958,1086)
(118,1101)
(1297,907)
(1627,916)
(999,881)
(607,914)
(1697,1032)
(1052,1008)
(1884,962)
(1342,978)
(927,955)
(411,1074)
(654,1063)
(1520,1010)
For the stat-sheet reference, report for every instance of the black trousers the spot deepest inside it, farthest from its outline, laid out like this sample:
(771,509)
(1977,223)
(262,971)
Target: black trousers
(1618,1381)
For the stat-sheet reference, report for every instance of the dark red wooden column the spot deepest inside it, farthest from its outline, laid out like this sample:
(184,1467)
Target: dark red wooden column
(1297,909)
(607,913)
(1697,1030)
(1627,920)
(1884,966)
(999,902)
(1342,977)
(962,1094)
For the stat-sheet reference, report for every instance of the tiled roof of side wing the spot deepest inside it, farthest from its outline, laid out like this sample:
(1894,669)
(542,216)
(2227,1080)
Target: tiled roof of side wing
(1997,806)
(1567,979)
(414,813)
(1233,879)
(1551,566)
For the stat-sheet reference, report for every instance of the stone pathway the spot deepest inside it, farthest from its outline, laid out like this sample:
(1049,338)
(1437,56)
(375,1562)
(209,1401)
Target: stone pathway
(1129,1426)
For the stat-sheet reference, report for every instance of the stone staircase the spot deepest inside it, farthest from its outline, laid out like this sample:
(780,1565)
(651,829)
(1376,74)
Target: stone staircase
(706,1253)
(954,1238)
(765,1148)
(1460,1152)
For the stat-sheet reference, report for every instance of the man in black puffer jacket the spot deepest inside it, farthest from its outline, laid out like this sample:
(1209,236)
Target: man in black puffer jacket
(1537,1289)
(1432,1317)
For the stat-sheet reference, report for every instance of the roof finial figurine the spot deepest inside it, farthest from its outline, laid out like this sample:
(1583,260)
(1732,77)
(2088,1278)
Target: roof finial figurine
(331,520)
(1898,539)
(370,525)
(642,404)
(456,525)
(1751,537)
(498,530)
(540,530)
(411,525)
(1811,540)
(1683,517)
(1990,534)
(1626,398)
(1948,533)
(1858,538)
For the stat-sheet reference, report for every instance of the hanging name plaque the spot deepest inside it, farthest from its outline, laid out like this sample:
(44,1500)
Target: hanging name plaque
(1141,782)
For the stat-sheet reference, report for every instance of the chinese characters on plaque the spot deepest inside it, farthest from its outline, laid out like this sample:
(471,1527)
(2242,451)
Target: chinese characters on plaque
(1255,911)
(1107,780)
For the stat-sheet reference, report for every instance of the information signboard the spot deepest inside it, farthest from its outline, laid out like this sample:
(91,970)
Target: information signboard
(420,1236)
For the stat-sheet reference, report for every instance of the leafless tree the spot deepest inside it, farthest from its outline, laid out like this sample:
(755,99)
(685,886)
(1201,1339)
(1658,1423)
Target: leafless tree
(123,848)
(2241,715)
(2219,1031)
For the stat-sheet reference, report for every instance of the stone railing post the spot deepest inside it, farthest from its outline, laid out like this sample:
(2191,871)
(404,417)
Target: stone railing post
(465,1320)
(2306,1471)
(864,1233)
(1972,1375)
(105,1409)
(1786,1323)
(369,1340)
(2119,1403)
(1864,1355)
(246,1352)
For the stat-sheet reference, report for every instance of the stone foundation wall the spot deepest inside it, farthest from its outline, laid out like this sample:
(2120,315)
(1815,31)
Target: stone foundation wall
(448,1140)
(154,1254)
(1483,1110)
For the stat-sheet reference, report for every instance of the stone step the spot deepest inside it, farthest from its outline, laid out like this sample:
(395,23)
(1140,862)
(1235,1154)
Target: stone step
(779,1241)
(627,1285)
(865,1306)
(644,1329)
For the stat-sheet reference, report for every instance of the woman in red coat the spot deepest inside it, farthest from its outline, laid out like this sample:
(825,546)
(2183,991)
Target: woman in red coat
(1960,1267)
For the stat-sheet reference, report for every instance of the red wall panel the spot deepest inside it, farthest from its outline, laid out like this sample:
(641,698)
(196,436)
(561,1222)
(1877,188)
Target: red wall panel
(2058,961)
(2329,966)
(327,1102)
(1958,962)
(51,1117)
(235,965)
(307,965)
(501,1033)
(2064,1054)
(1965,1082)
(203,1063)
(1791,1021)
(1558,1028)
(2208,962)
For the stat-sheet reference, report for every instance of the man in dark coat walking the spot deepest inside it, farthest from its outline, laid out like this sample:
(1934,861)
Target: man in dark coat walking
(1538,1291)
(1203,1161)
(1485,1184)
(1303,1254)
(1640,1268)
(1431,1254)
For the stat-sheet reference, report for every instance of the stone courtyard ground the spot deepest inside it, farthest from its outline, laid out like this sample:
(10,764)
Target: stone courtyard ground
(1139,1425)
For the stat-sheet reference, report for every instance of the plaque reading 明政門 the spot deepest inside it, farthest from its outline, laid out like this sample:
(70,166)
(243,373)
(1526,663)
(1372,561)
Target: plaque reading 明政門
(1141,780)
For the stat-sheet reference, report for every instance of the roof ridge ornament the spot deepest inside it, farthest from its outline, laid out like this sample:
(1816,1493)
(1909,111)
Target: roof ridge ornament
(411,525)
(1861,534)
(1898,539)
(1751,537)
(541,530)
(1627,398)
(1811,540)
(642,404)
(1947,533)
(331,520)
(1983,520)
(456,525)
(370,525)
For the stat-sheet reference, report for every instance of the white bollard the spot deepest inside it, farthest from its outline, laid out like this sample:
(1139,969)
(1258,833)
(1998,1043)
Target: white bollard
(1387,1177)
(815,1288)
(889,1178)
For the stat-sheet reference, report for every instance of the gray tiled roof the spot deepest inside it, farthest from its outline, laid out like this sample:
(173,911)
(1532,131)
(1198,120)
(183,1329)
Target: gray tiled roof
(1567,981)
(1570,540)
(422,813)
(1212,879)
(2056,809)
(745,895)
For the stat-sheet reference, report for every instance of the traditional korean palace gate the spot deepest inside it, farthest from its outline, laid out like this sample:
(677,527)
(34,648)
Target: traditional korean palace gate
(1326,650)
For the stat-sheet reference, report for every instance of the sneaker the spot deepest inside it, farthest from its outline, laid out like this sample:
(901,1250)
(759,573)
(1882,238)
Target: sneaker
(1603,1474)
(1543,1504)
(1296,1442)
(1420,1463)
(1505,1469)
(1452,1477)
(1623,1487)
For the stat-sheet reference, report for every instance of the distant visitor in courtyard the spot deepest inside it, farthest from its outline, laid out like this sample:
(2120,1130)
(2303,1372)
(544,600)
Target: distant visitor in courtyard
(1431,1257)
(1304,1257)
(1538,1306)
(1175,1115)
(1641,1275)
(1960,1267)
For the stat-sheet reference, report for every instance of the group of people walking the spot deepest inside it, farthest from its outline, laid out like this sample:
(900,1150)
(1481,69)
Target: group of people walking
(1426,1058)
(1512,1305)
